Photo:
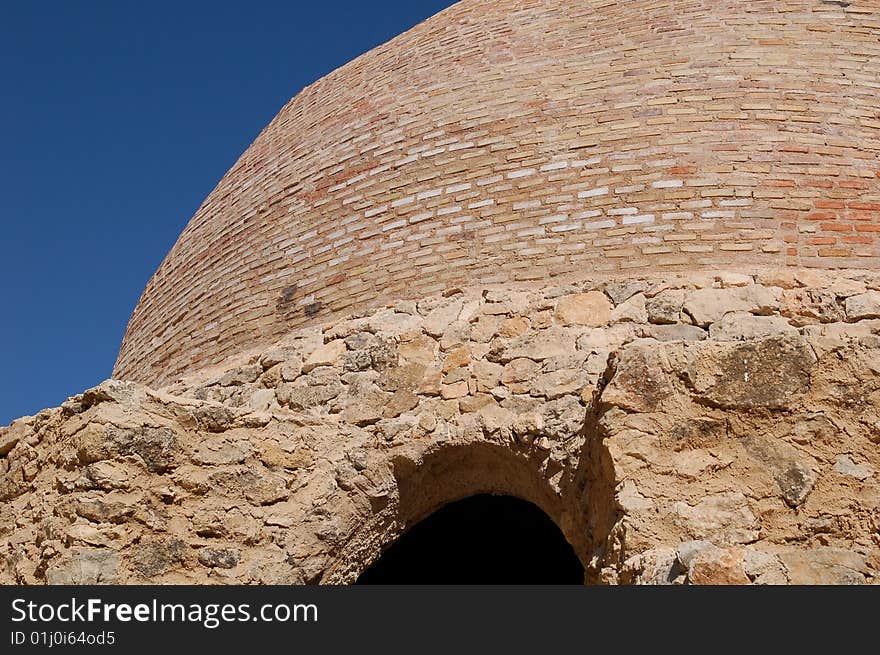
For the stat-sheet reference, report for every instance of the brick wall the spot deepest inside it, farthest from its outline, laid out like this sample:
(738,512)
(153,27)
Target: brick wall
(511,140)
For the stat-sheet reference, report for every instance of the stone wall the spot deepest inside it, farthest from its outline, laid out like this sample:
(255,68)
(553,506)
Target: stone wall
(511,140)
(679,428)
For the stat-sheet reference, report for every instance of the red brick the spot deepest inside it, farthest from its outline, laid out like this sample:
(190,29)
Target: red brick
(835,252)
(829,204)
(819,184)
(820,216)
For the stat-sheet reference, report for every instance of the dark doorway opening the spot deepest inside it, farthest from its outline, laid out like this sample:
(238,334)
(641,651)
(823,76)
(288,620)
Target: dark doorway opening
(483,539)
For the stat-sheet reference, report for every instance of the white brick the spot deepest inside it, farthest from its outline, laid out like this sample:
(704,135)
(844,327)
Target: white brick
(393,226)
(567,227)
(376,211)
(403,201)
(592,213)
(418,218)
(405,161)
(598,225)
(556,218)
(600,191)
(555,166)
(490,180)
(638,220)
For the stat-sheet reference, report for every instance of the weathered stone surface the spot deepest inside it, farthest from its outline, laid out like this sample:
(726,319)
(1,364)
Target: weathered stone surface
(304,397)
(845,466)
(158,556)
(108,508)
(420,350)
(592,309)
(622,290)
(439,319)
(771,373)
(633,310)
(782,278)
(676,332)
(453,391)
(640,383)
(738,326)
(241,375)
(863,306)
(764,568)
(280,355)
(739,453)
(793,471)
(806,306)
(539,346)
(717,567)
(518,374)
(564,382)
(85,566)
(456,359)
(824,566)
(403,400)
(707,306)
(475,403)
(330,354)
(725,518)
(729,279)
(367,406)
(665,307)
(487,375)
(223,558)
(228,449)
(513,327)
(291,369)
(11,435)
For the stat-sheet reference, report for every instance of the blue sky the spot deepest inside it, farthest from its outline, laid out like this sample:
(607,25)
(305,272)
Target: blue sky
(117,119)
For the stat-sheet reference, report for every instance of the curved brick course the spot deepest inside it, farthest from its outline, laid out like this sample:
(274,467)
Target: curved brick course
(514,140)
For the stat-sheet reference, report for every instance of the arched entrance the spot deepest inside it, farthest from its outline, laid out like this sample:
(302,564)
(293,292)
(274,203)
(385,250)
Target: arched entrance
(482,539)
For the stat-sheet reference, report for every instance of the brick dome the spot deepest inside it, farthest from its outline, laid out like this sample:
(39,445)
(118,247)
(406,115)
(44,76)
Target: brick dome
(513,140)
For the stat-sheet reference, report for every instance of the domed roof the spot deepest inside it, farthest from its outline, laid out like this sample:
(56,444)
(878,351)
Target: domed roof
(509,140)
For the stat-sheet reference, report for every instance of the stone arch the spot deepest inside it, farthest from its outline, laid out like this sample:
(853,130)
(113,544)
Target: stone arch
(481,539)
(577,497)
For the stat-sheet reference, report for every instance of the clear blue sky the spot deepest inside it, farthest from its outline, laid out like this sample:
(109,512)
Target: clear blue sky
(117,118)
